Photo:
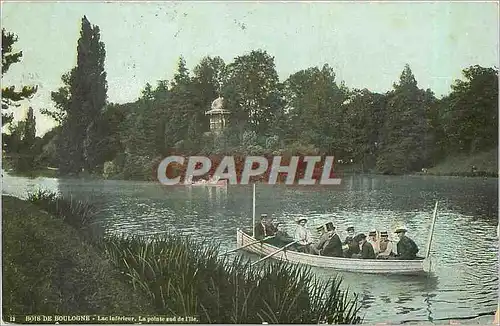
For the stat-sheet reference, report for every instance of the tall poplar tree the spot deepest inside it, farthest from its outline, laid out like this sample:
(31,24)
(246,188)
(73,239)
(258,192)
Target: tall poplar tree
(87,97)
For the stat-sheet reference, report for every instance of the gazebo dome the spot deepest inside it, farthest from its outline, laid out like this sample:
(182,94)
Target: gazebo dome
(217,107)
(218,103)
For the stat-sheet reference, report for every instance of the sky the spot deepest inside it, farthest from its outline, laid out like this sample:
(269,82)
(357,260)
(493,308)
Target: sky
(366,43)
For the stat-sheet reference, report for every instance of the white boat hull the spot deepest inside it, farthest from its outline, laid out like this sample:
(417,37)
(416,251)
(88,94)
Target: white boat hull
(370,266)
(221,183)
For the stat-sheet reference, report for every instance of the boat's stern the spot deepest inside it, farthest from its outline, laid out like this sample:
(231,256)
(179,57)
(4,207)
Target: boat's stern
(239,238)
(427,265)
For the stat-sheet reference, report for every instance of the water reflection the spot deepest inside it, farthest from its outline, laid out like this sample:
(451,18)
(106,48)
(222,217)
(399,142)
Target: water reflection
(20,187)
(464,251)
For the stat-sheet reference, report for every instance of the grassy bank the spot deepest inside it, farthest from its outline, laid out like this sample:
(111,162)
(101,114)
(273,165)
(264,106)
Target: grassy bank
(49,269)
(51,266)
(486,164)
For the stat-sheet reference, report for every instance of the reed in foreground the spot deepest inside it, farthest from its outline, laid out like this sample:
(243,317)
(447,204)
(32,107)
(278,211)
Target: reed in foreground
(187,278)
(78,214)
(47,269)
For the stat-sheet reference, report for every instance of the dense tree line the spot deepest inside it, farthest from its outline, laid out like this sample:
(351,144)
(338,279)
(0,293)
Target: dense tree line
(400,131)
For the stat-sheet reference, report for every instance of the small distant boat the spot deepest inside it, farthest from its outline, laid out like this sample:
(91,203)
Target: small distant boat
(208,183)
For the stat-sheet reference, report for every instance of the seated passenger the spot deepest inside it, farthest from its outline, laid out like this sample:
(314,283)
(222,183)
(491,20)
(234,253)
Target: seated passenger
(366,248)
(351,243)
(372,239)
(330,244)
(281,237)
(303,237)
(407,249)
(264,228)
(385,246)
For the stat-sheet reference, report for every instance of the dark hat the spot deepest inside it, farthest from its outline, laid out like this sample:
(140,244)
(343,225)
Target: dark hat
(359,237)
(350,228)
(384,234)
(373,232)
(329,226)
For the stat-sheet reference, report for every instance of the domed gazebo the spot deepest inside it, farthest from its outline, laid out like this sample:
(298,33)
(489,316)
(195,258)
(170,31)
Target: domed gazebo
(218,116)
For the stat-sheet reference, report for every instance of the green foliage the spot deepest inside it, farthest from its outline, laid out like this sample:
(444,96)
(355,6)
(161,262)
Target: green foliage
(252,92)
(22,145)
(470,112)
(140,167)
(183,277)
(76,213)
(401,131)
(10,96)
(82,98)
(61,99)
(47,269)
(315,108)
(364,117)
(169,275)
(405,133)
(29,129)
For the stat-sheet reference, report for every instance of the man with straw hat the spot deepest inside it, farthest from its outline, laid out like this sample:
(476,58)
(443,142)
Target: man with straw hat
(406,247)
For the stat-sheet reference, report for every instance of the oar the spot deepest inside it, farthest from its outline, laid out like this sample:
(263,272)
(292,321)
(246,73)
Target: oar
(248,244)
(274,253)
(431,233)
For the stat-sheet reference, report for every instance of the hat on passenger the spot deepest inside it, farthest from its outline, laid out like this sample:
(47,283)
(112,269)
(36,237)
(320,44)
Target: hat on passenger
(372,232)
(329,226)
(350,228)
(401,229)
(384,234)
(299,219)
(359,237)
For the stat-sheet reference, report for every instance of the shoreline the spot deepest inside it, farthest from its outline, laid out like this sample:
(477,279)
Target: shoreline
(340,175)
(478,165)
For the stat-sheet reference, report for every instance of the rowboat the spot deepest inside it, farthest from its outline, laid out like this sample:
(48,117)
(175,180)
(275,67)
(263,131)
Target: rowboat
(219,183)
(206,183)
(420,266)
(370,266)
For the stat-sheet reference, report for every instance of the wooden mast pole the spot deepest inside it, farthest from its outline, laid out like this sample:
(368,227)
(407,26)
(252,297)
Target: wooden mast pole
(253,212)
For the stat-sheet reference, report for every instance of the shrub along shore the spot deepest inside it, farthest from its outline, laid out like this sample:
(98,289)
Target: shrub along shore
(54,263)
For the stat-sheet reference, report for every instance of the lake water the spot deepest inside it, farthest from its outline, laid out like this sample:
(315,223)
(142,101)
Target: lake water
(464,250)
